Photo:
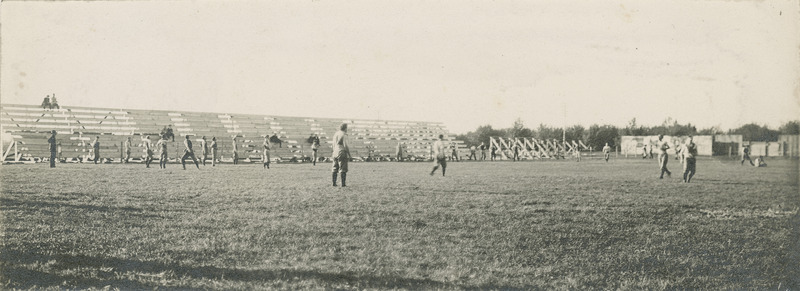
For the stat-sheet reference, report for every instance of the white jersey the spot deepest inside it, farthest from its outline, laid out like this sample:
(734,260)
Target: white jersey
(147,144)
(439,149)
(663,146)
(340,143)
(267,146)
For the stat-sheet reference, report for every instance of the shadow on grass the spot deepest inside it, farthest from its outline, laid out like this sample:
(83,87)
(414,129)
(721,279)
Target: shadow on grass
(115,272)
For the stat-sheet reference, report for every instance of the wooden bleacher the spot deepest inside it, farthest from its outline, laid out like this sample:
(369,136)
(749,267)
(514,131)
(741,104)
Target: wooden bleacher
(78,126)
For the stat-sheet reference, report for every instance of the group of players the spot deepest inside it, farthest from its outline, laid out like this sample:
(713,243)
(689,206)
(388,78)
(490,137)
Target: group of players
(188,151)
(440,151)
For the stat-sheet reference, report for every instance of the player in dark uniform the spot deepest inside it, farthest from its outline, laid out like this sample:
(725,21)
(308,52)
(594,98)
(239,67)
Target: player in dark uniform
(96,149)
(689,162)
(483,151)
(235,151)
(53,148)
(213,151)
(746,155)
(188,153)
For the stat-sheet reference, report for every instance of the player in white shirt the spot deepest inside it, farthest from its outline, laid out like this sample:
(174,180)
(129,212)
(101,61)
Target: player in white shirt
(663,146)
(162,145)
(606,152)
(689,162)
(204,150)
(341,154)
(265,152)
(148,150)
(439,156)
(127,147)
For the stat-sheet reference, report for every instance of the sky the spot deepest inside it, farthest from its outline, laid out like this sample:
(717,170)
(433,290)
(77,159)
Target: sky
(463,63)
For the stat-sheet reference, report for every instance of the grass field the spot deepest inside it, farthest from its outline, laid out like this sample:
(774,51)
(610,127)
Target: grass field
(501,225)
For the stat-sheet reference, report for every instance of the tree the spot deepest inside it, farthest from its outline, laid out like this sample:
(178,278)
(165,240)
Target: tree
(481,134)
(633,129)
(519,130)
(598,136)
(710,131)
(575,132)
(791,127)
(755,132)
(548,132)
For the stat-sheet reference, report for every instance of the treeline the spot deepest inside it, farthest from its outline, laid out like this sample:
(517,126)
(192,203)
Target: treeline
(597,135)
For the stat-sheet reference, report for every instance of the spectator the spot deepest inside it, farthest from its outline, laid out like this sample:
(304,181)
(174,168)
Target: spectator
(46,102)
(274,139)
(170,134)
(53,102)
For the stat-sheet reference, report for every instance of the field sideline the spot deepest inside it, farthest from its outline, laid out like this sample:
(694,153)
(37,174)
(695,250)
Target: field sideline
(491,225)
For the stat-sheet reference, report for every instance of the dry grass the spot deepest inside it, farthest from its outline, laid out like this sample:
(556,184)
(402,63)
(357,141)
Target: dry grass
(503,225)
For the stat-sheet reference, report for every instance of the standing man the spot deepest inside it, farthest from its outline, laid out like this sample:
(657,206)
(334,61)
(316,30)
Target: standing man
(472,150)
(454,155)
(663,146)
(54,102)
(235,150)
(213,151)
(515,149)
(689,162)
(483,151)
(398,154)
(162,145)
(494,152)
(96,148)
(148,150)
(606,152)
(746,155)
(53,148)
(265,152)
(188,153)
(127,148)
(204,149)
(439,158)
(314,149)
(341,154)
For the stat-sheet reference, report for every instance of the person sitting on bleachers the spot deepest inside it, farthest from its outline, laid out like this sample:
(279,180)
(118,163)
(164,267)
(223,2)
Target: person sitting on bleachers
(53,102)
(170,134)
(274,139)
(46,102)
